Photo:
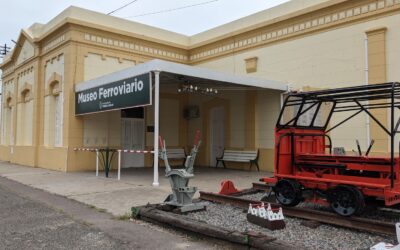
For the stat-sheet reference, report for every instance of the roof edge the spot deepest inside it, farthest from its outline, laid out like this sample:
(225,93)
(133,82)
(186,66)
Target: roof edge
(177,68)
(229,33)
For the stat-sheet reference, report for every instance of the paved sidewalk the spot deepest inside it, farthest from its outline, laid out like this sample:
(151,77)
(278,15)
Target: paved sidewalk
(117,197)
(42,227)
(35,219)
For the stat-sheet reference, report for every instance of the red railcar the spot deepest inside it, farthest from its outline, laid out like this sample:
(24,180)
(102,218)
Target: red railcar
(307,169)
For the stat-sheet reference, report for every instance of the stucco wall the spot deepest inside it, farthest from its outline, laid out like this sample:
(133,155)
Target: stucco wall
(334,58)
(267,111)
(238,121)
(27,52)
(169,121)
(96,65)
(102,129)
(237,114)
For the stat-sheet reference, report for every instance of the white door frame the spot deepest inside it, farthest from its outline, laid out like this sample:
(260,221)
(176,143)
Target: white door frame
(125,156)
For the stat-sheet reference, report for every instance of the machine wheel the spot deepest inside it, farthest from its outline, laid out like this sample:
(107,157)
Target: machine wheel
(288,192)
(346,200)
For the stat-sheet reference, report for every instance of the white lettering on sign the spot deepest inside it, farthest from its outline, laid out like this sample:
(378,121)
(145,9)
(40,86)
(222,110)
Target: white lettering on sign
(123,89)
(104,93)
(88,97)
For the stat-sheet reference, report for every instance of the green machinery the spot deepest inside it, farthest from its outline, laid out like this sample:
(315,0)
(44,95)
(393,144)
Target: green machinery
(182,194)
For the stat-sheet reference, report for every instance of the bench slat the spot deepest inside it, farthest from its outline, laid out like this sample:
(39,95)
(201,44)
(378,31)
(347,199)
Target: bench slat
(234,153)
(239,156)
(237,159)
(240,152)
(243,153)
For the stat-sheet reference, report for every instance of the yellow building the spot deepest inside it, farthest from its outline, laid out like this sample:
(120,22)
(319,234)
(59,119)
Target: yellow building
(307,44)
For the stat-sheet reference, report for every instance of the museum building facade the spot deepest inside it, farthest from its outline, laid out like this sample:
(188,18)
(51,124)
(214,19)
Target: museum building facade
(302,44)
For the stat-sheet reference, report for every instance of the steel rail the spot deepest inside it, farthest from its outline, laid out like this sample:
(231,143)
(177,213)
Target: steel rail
(358,223)
(261,186)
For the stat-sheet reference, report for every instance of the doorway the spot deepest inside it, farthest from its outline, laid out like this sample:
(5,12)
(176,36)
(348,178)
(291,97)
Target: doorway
(132,137)
(217,133)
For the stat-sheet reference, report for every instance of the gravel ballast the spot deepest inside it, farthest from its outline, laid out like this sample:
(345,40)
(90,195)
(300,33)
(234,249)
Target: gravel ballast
(322,237)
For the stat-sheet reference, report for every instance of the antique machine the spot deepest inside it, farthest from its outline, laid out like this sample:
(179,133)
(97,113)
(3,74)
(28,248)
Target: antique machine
(182,194)
(307,170)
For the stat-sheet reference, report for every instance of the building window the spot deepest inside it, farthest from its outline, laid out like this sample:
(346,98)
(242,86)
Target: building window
(6,136)
(54,115)
(25,118)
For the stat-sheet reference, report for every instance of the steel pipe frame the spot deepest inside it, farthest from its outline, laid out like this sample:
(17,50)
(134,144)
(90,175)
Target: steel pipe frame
(342,96)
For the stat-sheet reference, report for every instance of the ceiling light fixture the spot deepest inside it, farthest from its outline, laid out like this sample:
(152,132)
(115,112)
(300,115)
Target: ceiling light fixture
(186,88)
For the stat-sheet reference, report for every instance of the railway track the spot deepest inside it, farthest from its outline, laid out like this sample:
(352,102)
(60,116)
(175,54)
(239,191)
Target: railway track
(261,186)
(358,223)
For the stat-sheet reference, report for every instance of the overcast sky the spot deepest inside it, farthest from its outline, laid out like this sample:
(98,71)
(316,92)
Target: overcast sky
(18,14)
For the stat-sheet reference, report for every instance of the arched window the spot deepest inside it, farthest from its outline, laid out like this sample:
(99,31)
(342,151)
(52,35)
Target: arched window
(8,102)
(25,95)
(6,137)
(54,88)
(54,114)
(24,135)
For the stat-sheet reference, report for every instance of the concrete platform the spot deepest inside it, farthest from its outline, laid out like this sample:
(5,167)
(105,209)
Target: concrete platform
(117,197)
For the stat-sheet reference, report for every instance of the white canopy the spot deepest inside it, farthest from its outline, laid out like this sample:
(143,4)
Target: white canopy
(165,72)
(184,70)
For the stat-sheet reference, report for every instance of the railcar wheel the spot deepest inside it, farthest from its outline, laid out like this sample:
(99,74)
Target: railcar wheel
(346,200)
(288,192)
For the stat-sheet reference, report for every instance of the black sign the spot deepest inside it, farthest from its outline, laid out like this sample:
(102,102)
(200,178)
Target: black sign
(128,93)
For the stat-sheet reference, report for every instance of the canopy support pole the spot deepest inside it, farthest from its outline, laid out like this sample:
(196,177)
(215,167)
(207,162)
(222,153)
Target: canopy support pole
(156,125)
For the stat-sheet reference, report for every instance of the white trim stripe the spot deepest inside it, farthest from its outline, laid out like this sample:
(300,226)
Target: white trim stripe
(119,150)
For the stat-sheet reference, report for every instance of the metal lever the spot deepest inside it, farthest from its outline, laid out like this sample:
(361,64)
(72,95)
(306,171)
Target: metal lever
(369,148)
(359,148)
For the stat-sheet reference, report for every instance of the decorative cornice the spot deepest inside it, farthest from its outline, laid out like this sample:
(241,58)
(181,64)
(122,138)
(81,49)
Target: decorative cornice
(8,70)
(26,71)
(9,81)
(53,43)
(269,34)
(50,60)
(138,48)
(316,20)
(22,69)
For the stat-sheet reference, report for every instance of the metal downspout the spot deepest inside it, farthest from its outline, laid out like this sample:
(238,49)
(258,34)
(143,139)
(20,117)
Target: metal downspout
(366,75)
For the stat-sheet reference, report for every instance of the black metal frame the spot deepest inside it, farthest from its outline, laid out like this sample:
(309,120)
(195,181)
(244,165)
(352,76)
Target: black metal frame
(385,95)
